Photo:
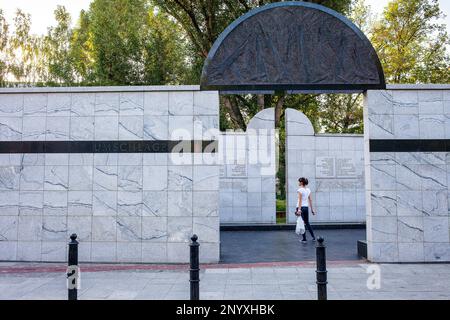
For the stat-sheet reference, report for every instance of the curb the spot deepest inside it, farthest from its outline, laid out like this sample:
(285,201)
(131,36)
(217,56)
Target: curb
(166,267)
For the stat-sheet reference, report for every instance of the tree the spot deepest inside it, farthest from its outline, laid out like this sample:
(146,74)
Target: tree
(4,37)
(165,50)
(120,42)
(204,20)
(116,28)
(411,44)
(57,50)
(22,50)
(341,113)
(362,16)
(82,50)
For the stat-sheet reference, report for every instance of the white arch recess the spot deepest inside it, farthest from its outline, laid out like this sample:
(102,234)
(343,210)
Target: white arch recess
(334,166)
(247,190)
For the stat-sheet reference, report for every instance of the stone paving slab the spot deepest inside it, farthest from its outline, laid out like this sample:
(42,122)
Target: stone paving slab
(284,245)
(397,281)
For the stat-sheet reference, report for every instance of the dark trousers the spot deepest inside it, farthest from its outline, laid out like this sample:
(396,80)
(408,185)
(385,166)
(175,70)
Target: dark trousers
(305,216)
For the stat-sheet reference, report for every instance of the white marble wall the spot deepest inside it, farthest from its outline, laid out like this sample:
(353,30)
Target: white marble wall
(407,193)
(139,207)
(247,182)
(338,197)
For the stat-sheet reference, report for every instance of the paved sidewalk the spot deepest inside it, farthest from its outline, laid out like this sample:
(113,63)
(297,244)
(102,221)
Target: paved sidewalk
(284,245)
(346,281)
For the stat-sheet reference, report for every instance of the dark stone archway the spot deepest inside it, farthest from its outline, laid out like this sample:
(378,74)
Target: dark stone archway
(292,46)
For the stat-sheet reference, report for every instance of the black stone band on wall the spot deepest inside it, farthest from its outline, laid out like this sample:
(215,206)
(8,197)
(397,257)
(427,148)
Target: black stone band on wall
(410,145)
(134,146)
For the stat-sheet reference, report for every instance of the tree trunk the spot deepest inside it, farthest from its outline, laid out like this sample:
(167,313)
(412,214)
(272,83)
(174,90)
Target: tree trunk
(279,110)
(261,102)
(234,112)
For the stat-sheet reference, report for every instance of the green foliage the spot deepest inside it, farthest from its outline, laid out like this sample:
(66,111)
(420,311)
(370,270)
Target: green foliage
(115,42)
(361,16)
(119,42)
(281,205)
(165,51)
(82,50)
(56,49)
(4,31)
(341,113)
(116,29)
(21,50)
(411,44)
(203,21)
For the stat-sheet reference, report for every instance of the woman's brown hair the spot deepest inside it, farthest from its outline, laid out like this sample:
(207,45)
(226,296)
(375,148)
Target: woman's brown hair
(303,181)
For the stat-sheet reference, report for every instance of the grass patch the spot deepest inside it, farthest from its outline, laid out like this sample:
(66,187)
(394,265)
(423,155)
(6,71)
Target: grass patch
(281,205)
(281,219)
(281,211)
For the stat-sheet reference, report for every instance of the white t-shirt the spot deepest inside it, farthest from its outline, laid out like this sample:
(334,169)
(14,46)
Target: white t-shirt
(305,195)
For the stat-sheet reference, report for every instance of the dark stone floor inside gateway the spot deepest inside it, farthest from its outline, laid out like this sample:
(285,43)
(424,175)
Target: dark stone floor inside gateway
(284,245)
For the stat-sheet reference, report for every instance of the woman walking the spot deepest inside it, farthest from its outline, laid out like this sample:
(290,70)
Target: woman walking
(304,203)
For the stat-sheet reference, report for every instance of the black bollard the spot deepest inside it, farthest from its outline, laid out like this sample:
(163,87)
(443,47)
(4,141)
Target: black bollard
(321,272)
(72,269)
(195,269)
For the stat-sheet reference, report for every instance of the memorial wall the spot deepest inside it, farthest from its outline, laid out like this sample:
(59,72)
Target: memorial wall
(131,170)
(247,174)
(118,166)
(334,166)
(407,165)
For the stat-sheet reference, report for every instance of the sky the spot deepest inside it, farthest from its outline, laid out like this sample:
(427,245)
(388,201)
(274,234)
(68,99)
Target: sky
(42,10)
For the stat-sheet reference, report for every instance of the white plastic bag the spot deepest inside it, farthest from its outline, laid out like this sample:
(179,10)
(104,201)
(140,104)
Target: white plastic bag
(300,227)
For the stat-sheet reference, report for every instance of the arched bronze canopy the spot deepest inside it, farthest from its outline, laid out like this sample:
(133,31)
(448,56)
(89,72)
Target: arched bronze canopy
(293,46)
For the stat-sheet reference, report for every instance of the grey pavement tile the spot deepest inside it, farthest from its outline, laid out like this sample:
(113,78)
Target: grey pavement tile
(177,296)
(239,270)
(53,296)
(239,276)
(28,285)
(143,275)
(123,295)
(263,271)
(117,275)
(238,287)
(296,296)
(160,290)
(216,271)
(360,295)
(239,295)
(156,292)
(287,280)
(306,272)
(12,280)
(211,295)
(212,286)
(101,287)
(289,283)
(409,296)
(330,295)
(214,277)
(345,285)
(158,280)
(286,270)
(233,282)
(96,293)
(266,296)
(263,292)
(185,287)
(293,288)
(266,288)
